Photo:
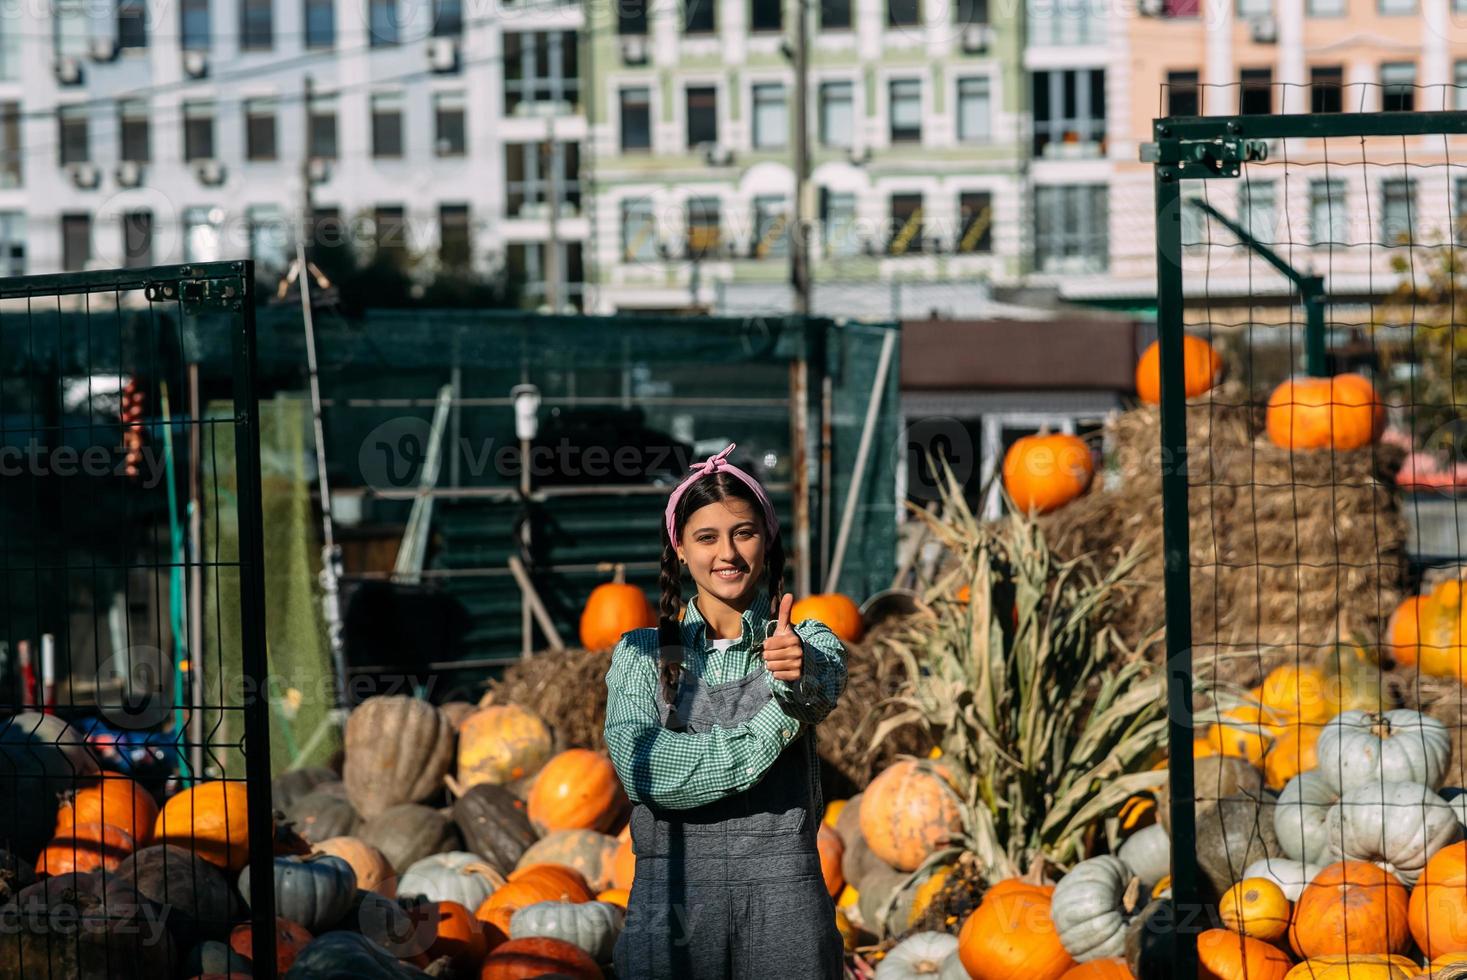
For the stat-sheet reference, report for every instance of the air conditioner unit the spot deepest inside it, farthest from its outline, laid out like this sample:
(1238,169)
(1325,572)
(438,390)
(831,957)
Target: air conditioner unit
(84,175)
(717,155)
(68,71)
(1265,30)
(195,64)
(103,49)
(319,170)
(1151,8)
(209,172)
(977,38)
(443,55)
(634,49)
(129,173)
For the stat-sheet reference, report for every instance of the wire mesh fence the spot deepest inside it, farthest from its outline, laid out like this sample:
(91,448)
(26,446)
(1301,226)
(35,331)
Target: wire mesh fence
(135,809)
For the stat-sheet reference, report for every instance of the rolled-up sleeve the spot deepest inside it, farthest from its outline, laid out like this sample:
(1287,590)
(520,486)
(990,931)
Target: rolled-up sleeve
(681,770)
(822,677)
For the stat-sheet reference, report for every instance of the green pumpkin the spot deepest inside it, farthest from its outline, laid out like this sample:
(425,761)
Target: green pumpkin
(339,955)
(593,926)
(1092,907)
(313,891)
(323,814)
(408,833)
(495,825)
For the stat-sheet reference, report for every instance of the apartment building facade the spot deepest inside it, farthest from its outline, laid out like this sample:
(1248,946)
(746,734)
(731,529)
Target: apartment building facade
(427,127)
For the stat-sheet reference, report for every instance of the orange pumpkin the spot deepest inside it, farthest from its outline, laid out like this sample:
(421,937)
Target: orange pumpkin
(577,790)
(374,872)
(290,939)
(501,744)
(115,800)
(1350,907)
(455,933)
(572,884)
(1255,907)
(1111,969)
(1292,752)
(1438,908)
(1296,692)
(1046,471)
(838,612)
(526,886)
(522,959)
(615,896)
(1011,935)
(1201,367)
(1342,412)
(623,864)
(90,846)
(1357,966)
(831,852)
(1403,632)
(908,811)
(614,608)
(1226,955)
(211,821)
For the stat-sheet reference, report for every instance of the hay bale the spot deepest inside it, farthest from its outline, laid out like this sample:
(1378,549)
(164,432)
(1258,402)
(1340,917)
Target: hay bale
(1292,551)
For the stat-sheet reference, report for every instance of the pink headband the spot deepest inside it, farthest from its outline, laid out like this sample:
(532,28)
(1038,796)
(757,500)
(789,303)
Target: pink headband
(713,464)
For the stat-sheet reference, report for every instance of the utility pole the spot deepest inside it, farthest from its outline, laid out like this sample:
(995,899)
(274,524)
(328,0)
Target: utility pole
(799,245)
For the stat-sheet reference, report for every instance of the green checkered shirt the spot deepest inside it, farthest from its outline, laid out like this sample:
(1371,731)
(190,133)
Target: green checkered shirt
(680,770)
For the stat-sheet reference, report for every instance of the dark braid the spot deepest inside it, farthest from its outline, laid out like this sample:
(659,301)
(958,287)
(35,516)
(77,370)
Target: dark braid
(669,630)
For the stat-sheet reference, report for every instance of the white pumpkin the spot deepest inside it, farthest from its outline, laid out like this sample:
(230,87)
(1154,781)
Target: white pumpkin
(1291,876)
(1301,814)
(1148,853)
(1092,907)
(593,926)
(1400,746)
(453,876)
(1398,826)
(921,954)
(953,968)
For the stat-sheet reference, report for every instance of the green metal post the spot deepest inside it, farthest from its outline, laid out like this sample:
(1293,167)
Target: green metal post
(1177,572)
(1314,302)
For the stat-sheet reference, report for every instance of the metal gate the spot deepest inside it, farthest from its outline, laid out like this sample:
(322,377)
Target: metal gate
(1336,275)
(122,531)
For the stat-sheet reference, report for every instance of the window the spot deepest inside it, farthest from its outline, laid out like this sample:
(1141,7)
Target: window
(975,216)
(698,16)
(636,119)
(906,110)
(1069,113)
(73,143)
(529,266)
(256,25)
(1397,6)
(1071,234)
(389,232)
(1256,209)
(837,114)
(1326,8)
(1255,8)
(198,130)
(201,238)
(455,241)
(971,12)
(766,15)
(838,224)
(974,110)
(835,15)
(1398,86)
(193,25)
(382,22)
(1459,83)
(1328,220)
(702,113)
(906,224)
(631,16)
(638,231)
(132,23)
(1182,94)
(137,239)
(1065,23)
(1398,200)
(259,129)
(132,130)
(703,229)
(527,167)
(540,66)
(76,241)
(771,117)
(12,243)
(1326,88)
(270,244)
(387,124)
(11,173)
(1255,91)
(903,13)
(320,23)
(450,138)
(771,228)
(71,23)
(322,126)
(448,18)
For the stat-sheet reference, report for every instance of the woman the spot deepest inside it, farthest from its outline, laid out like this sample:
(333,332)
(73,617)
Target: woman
(711,726)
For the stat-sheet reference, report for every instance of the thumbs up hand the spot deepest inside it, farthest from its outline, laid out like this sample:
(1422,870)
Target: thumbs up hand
(784,656)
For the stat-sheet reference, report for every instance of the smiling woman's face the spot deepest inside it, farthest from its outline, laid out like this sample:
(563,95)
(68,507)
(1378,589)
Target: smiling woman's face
(723,544)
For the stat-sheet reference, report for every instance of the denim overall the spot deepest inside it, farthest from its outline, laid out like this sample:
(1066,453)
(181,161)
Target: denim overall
(732,890)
